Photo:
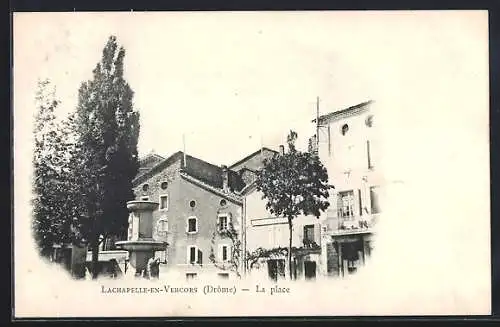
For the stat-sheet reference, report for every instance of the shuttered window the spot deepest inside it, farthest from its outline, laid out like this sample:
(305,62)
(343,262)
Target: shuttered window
(346,204)
(374,199)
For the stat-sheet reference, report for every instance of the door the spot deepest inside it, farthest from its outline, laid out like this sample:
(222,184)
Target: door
(310,269)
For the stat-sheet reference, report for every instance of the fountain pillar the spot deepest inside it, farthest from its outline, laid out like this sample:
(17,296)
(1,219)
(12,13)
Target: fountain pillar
(140,243)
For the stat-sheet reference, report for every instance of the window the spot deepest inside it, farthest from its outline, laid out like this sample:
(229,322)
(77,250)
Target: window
(369,121)
(192,204)
(222,223)
(192,254)
(223,275)
(309,233)
(223,203)
(145,187)
(164,185)
(224,253)
(164,202)
(191,276)
(374,199)
(192,225)
(162,226)
(346,204)
(145,198)
(345,129)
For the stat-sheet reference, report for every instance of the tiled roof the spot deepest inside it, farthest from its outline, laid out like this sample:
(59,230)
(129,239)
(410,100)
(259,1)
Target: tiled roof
(228,195)
(344,112)
(251,155)
(202,171)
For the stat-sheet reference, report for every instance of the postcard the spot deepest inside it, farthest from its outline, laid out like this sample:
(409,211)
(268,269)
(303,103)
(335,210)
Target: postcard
(209,164)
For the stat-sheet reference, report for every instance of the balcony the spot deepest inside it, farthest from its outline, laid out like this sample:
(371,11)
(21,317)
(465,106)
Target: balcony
(350,224)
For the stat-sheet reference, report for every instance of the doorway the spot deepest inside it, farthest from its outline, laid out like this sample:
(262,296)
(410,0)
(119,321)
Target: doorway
(310,269)
(276,269)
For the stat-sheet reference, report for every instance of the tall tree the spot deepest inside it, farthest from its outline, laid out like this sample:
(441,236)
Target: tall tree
(53,211)
(295,183)
(108,131)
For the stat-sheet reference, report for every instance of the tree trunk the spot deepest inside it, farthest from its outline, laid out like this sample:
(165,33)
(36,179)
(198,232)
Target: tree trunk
(95,257)
(290,248)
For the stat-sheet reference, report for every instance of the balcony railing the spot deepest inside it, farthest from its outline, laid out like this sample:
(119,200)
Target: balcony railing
(353,223)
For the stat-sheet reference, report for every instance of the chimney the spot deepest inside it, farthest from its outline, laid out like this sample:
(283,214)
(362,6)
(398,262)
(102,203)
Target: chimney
(282,149)
(225,178)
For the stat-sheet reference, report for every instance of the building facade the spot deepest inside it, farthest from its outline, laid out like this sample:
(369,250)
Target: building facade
(348,146)
(197,201)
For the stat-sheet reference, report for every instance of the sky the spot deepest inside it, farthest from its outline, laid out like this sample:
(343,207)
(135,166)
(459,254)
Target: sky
(229,80)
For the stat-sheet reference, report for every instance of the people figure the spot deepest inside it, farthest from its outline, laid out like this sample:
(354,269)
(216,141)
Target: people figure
(154,268)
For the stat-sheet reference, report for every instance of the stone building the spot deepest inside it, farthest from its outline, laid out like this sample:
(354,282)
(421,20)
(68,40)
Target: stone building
(196,200)
(265,232)
(349,148)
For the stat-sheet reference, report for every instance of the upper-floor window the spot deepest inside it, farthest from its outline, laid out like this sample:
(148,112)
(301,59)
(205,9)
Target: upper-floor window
(344,129)
(145,187)
(309,233)
(164,202)
(346,204)
(374,199)
(164,185)
(192,203)
(222,222)
(192,225)
(223,203)
(369,121)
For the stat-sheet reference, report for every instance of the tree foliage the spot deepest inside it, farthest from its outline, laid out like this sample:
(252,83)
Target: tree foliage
(55,204)
(293,184)
(234,262)
(107,130)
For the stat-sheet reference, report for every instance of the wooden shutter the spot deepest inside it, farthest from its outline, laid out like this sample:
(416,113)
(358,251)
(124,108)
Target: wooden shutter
(357,202)
(368,155)
(200,257)
(317,233)
(300,234)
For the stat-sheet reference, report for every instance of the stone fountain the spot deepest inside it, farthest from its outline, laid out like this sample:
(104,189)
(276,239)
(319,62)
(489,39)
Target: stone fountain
(140,243)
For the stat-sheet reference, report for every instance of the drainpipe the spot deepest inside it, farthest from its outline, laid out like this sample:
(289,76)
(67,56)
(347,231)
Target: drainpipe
(244,234)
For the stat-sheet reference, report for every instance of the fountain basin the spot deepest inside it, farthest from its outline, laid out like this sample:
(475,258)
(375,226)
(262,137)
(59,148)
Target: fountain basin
(142,245)
(142,206)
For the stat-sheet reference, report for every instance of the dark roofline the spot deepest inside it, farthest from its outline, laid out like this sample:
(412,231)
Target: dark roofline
(156,167)
(174,157)
(246,168)
(251,155)
(209,188)
(149,155)
(342,111)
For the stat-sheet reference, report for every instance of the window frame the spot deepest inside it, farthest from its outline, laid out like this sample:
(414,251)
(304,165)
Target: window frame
(312,228)
(165,195)
(191,276)
(188,255)
(350,205)
(221,252)
(196,225)
(219,217)
(161,220)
